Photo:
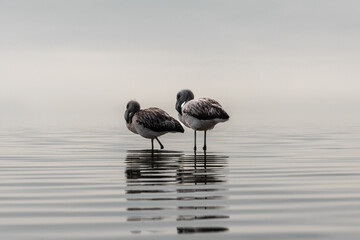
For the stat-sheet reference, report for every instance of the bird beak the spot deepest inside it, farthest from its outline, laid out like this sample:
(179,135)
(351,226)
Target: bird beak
(178,108)
(126,116)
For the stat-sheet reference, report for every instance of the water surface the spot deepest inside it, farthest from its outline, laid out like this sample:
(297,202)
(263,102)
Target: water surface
(253,183)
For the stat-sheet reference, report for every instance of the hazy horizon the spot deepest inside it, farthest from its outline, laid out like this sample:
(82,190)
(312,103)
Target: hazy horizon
(79,62)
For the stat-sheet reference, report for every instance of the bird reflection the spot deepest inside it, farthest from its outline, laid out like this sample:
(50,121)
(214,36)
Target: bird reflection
(178,188)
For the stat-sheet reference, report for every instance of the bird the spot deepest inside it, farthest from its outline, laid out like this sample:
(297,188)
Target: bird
(199,114)
(150,123)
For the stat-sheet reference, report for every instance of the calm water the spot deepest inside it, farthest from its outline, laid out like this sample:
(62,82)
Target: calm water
(253,183)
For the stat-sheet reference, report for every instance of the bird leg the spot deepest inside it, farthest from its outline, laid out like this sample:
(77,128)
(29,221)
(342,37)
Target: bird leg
(204,160)
(152,145)
(161,146)
(194,140)
(195,160)
(204,148)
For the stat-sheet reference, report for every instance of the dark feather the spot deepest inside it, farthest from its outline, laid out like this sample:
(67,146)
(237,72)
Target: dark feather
(158,120)
(205,109)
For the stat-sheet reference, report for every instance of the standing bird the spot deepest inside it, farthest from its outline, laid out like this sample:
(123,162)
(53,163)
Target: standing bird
(150,123)
(199,114)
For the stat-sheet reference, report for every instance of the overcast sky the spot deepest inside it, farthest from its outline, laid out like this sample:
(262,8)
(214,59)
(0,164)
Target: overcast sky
(81,61)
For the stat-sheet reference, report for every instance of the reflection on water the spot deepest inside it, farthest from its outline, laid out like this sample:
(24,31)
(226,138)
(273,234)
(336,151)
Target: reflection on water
(189,186)
(259,184)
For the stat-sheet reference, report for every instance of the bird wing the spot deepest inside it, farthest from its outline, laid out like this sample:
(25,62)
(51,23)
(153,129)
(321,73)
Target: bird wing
(205,109)
(158,120)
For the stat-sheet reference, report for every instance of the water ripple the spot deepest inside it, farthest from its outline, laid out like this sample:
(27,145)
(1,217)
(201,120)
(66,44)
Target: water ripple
(256,184)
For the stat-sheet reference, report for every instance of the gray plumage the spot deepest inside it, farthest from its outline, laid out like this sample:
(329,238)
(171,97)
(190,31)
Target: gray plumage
(199,114)
(158,120)
(150,123)
(205,109)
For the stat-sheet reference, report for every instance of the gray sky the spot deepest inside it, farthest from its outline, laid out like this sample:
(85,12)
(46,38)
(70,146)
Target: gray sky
(81,61)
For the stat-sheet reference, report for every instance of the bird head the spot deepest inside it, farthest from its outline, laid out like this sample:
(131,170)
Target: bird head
(183,96)
(131,108)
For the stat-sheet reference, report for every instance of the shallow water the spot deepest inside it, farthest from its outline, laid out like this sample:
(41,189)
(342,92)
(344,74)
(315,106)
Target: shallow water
(253,183)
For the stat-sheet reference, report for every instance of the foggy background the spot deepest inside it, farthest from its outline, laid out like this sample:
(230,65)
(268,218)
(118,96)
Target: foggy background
(267,62)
